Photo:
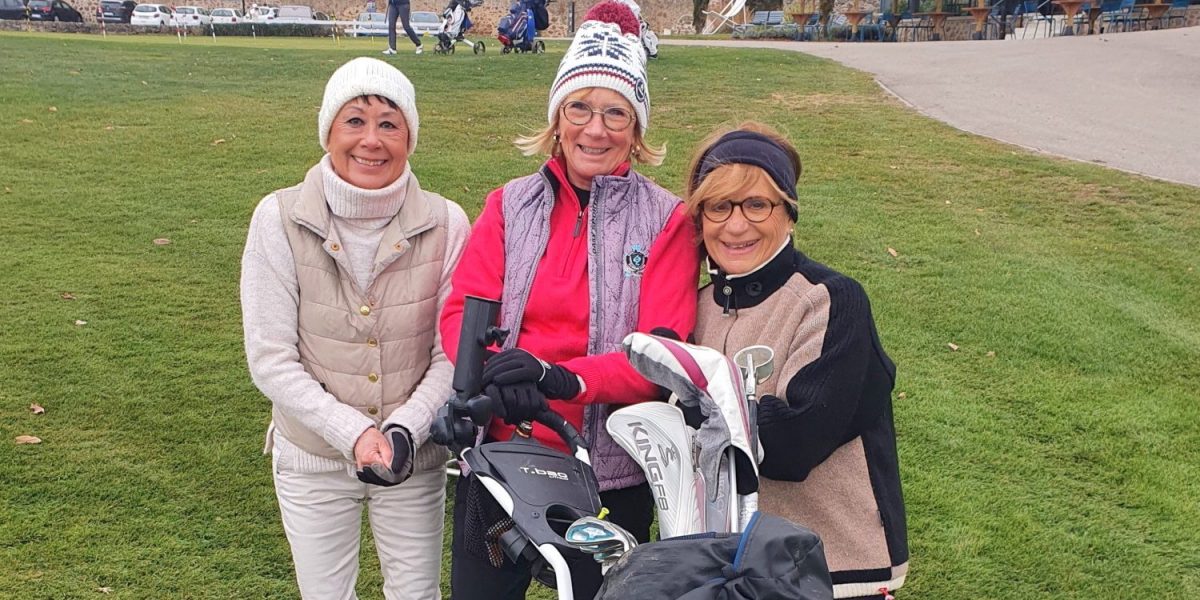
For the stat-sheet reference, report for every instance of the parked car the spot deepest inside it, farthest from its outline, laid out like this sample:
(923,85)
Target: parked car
(192,16)
(369,24)
(115,11)
(13,10)
(152,15)
(229,16)
(263,14)
(295,13)
(53,10)
(424,22)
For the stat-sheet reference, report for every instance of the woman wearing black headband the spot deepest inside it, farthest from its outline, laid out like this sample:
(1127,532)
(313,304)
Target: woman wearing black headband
(825,415)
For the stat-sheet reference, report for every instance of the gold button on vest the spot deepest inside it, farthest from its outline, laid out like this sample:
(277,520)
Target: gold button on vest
(364,310)
(372,342)
(372,378)
(372,410)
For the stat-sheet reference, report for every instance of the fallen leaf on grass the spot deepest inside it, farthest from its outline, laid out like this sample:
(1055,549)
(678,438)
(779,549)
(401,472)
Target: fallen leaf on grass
(104,590)
(26,121)
(72,72)
(27,439)
(218,141)
(902,395)
(977,232)
(144,83)
(161,241)
(952,346)
(108,127)
(37,409)
(68,296)
(893,252)
(53,109)
(8,190)
(80,322)
(947,202)
(991,354)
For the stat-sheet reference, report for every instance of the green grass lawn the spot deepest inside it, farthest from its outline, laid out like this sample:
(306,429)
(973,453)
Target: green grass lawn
(1054,454)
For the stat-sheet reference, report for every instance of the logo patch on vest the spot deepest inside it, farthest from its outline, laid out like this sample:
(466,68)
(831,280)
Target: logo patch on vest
(635,261)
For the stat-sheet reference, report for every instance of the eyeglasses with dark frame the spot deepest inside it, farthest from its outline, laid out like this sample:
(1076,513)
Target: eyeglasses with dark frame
(756,210)
(615,118)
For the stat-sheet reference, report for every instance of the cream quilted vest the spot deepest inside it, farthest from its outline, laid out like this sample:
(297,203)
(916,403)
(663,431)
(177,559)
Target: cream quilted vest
(368,348)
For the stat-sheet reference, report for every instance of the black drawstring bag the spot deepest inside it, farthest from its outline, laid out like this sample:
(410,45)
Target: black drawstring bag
(772,559)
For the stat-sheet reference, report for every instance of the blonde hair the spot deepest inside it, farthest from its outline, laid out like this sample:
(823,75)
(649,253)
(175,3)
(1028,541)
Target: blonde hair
(726,181)
(545,141)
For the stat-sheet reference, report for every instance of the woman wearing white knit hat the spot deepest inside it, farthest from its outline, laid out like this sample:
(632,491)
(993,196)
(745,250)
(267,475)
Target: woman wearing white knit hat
(581,253)
(343,277)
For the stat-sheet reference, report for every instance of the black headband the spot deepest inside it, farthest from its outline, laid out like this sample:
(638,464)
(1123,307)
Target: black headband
(756,149)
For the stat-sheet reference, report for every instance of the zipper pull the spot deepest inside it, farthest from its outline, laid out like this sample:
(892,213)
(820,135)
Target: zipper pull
(578,223)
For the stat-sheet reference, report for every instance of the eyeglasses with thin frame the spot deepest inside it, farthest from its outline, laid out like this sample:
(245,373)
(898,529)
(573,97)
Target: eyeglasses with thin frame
(756,210)
(615,118)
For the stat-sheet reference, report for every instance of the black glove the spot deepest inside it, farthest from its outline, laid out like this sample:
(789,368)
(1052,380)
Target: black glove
(516,365)
(402,460)
(521,401)
(772,408)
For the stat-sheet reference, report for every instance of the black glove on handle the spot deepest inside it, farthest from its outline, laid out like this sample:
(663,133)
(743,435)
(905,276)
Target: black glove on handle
(520,401)
(402,460)
(516,365)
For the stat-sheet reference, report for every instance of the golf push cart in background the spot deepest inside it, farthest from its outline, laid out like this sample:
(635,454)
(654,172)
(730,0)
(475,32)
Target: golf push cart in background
(702,470)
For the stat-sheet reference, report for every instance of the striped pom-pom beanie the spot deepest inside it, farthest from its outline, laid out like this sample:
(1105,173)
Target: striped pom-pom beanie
(606,53)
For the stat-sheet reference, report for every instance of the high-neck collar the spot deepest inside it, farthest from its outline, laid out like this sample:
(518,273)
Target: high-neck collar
(352,202)
(733,292)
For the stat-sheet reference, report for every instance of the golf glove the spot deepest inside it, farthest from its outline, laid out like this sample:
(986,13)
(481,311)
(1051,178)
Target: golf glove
(516,365)
(520,401)
(402,460)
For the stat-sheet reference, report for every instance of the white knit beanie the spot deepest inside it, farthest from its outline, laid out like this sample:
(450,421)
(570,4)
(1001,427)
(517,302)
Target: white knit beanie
(365,76)
(604,57)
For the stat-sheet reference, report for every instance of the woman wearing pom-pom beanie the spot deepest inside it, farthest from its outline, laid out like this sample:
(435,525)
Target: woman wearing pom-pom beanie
(581,253)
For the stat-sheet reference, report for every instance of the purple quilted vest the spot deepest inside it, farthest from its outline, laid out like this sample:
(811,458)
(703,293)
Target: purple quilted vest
(626,215)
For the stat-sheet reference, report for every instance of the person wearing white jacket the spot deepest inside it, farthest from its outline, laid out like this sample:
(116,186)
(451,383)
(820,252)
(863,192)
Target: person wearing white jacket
(343,278)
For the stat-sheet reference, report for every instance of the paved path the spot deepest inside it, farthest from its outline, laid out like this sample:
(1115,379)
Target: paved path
(1129,101)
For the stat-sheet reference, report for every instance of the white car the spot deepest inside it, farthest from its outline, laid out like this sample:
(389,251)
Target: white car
(227,16)
(152,15)
(424,22)
(192,16)
(295,13)
(369,24)
(263,14)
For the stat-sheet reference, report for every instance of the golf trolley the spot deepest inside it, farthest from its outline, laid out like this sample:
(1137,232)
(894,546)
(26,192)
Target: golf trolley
(456,22)
(702,469)
(541,489)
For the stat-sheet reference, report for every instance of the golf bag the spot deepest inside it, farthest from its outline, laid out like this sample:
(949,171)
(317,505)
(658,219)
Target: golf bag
(456,22)
(517,31)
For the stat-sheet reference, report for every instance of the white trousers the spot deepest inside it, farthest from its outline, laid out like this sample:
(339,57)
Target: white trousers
(322,517)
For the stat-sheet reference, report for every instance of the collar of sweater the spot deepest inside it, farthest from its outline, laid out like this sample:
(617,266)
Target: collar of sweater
(351,202)
(751,289)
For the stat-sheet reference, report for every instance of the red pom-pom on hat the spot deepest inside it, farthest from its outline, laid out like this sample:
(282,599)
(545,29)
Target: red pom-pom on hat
(611,11)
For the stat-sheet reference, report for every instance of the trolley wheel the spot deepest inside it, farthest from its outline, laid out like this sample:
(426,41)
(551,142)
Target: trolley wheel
(450,50)
(539,47)
(506,50)
(479,48)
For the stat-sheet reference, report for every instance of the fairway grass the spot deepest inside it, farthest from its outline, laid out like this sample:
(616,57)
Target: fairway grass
(1055,453)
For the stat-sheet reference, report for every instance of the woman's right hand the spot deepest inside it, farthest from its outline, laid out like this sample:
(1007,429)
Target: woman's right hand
(371,448)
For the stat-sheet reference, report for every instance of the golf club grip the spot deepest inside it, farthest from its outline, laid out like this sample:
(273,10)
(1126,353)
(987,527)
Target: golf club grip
(559,425)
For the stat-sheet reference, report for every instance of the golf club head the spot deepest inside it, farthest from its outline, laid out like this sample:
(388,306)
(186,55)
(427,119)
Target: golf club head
(757,359)
(656,436)
(602,539)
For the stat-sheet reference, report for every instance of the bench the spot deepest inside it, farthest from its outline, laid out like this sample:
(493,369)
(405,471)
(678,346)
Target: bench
(762,19)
